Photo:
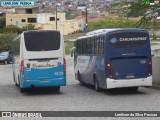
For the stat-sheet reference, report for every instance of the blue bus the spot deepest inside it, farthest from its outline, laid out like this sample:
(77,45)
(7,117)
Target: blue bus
(39,60)
(114,58)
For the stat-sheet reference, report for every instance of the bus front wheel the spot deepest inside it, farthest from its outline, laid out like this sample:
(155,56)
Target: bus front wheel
(96,86)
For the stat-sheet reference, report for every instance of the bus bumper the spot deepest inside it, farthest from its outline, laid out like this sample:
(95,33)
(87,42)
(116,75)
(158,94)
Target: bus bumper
(43,83)
(111,83)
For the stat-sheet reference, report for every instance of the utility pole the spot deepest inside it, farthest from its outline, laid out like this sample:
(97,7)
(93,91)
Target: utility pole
(56,17)
(86,18)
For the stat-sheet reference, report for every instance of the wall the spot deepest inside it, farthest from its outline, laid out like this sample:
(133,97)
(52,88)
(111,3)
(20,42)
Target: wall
(65,26)
(23,11)
(61,17)
(12,18)
(156,52)
(156,70)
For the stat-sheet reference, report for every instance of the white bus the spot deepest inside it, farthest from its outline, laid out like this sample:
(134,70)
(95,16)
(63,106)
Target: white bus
(39,60)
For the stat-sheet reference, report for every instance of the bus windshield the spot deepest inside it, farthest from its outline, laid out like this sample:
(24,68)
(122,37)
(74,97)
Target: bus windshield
(42,41)
(128,39)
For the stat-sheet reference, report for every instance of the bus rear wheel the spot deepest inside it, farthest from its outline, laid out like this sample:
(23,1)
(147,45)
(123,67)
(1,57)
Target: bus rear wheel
(96,86)
(22,90)
(14,79)
(80,80)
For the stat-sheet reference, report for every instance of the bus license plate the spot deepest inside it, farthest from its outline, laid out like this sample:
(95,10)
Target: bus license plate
(44,81)
(130,76)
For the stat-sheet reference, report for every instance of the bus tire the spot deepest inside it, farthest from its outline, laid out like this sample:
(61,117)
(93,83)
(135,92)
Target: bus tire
(14,79)
(80,79)
(96,86)
(22,90)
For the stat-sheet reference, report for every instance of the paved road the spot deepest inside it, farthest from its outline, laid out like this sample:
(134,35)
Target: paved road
(73,97)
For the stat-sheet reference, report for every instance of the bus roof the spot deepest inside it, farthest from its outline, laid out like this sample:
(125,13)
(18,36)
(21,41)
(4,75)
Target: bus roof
(104,31)
(41,31)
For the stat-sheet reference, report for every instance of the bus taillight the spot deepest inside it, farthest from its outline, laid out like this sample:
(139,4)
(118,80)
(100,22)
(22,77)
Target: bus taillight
(149,67)
(22,66)
(109,70)
(64,61)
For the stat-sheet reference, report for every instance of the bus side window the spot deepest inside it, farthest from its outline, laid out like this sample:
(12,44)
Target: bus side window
(93,46)
(96,45)
(82,46)
(86,47)
(89,46)
(101,45)
(78,47)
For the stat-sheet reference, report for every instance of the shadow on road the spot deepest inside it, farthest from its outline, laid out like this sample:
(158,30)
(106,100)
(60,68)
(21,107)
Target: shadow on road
(116,91)
(41,91)
(13,90)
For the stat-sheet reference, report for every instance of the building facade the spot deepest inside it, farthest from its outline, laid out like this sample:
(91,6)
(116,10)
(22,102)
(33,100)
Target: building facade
(43,21)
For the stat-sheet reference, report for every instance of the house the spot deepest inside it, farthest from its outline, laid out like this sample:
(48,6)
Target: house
(43,21)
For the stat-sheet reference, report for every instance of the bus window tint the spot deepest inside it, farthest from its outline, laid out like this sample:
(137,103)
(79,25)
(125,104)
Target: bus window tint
(128,39)
(42,41)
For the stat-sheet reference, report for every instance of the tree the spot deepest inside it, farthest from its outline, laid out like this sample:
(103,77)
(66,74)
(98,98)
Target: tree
(12,29)
(5,41)
(43,6)
(69,15)
(117,8)
(9,33)
(137,9)
(17,30)
(28,27)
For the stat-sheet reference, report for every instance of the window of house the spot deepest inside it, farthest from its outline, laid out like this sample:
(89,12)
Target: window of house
(23,20)
(52,18)
(32,20)
(29,11)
